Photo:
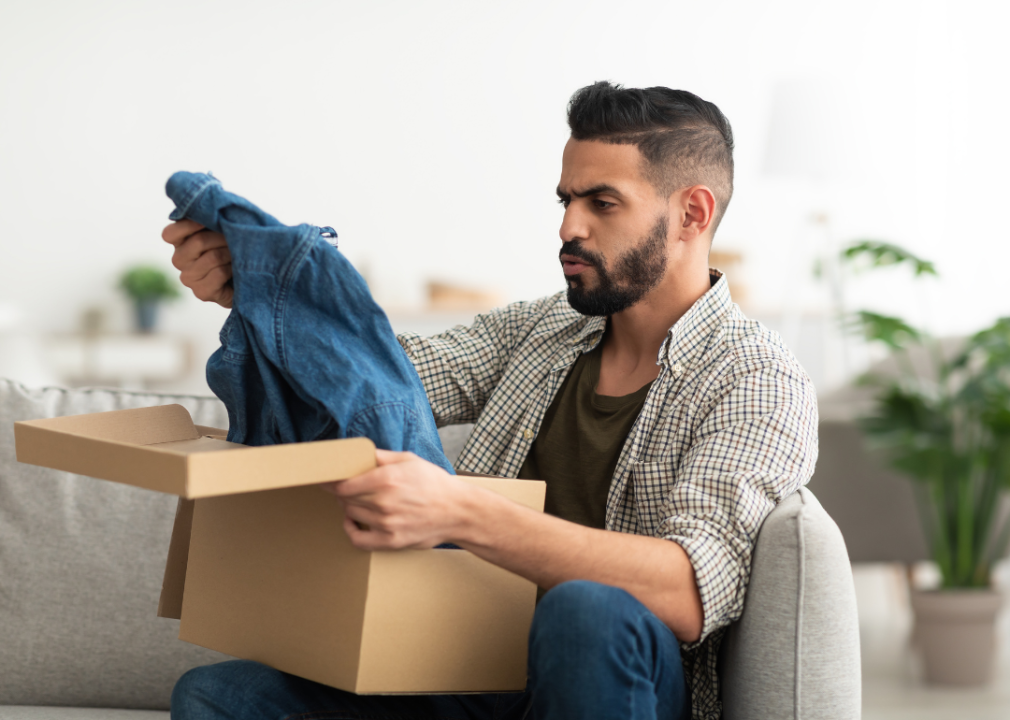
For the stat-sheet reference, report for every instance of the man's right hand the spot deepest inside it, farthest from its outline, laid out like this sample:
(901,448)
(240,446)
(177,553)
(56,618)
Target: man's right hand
(203,261)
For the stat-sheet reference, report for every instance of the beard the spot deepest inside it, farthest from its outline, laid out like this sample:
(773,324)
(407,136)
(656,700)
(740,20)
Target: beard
(634,273)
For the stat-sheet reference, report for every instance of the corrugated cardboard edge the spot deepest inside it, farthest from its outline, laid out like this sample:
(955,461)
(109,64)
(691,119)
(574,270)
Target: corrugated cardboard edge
(174,583)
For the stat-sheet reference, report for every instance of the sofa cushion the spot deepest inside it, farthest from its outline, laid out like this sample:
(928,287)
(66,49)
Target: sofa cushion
(795,652)
(81,564)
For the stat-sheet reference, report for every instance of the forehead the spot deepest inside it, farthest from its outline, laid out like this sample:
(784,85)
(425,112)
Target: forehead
(587,163)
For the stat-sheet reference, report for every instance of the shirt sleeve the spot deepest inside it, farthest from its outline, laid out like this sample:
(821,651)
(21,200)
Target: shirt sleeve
(756,445)
(461,367)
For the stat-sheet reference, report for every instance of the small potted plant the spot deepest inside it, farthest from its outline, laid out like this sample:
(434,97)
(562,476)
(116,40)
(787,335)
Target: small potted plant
(147,286)
(943,420)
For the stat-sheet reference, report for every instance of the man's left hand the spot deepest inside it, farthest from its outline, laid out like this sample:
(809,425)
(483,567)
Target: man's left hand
(405,502)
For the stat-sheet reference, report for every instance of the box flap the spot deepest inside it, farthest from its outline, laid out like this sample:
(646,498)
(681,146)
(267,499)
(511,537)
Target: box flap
(37,443)
(174,582)
(269,467)
(212,432)
(530,493)
(159,448)
(138,426)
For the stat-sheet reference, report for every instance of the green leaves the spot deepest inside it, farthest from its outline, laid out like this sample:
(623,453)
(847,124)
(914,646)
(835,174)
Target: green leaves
(936,439)
(949,430)
(146,282)
(882,254)
(992,343)
(892,331)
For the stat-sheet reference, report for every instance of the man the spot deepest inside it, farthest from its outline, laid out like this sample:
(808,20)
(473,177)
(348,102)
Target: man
(665,423)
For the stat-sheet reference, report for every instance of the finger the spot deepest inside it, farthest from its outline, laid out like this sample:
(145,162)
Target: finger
(192,247)
(367,483)
(369,503)
(366,516)
(363,538)
(352,530)
(200,268)
(180,230)
(213,287)
(226,296)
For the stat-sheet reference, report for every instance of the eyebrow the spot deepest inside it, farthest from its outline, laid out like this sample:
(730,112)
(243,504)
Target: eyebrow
(595,190)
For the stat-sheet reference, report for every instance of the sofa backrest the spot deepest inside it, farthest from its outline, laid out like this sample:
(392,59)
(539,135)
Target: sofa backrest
(795,652)
(81,565)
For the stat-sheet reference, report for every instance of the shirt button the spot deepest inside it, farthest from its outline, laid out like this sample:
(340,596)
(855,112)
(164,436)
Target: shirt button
(678,369)
(528,434)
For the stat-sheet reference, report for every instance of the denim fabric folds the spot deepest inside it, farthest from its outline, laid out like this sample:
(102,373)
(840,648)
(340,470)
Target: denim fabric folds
(306,354)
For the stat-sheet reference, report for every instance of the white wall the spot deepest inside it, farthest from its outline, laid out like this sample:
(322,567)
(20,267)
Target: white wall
(430,134)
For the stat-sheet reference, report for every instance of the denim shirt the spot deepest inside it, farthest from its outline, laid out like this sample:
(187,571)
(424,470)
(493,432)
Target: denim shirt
(306,354)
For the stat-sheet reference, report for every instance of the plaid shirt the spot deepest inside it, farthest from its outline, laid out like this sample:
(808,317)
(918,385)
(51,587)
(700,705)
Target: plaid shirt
(729,428)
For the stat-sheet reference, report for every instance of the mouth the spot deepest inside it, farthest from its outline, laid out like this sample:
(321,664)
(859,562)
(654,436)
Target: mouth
(573,266)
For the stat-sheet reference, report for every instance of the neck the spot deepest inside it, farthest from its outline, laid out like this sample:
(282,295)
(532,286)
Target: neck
(636,334)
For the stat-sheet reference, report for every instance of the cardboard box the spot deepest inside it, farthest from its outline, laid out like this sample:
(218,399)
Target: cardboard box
(259,566)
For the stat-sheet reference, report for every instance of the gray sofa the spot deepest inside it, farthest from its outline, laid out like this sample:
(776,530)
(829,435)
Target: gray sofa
(81,563)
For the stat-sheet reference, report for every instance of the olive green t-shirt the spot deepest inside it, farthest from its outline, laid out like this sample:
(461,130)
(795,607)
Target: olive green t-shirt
(579,443)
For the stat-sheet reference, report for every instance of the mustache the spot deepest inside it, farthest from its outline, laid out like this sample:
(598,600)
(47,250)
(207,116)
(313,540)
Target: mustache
(575,249)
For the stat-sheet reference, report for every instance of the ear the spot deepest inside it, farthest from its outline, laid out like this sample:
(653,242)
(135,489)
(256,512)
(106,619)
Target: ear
(696,204)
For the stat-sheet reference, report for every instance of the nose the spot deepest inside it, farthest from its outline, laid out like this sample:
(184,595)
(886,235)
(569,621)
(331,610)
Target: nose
(573,226)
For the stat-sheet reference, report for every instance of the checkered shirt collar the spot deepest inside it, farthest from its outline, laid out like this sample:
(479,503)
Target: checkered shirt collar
(690,335)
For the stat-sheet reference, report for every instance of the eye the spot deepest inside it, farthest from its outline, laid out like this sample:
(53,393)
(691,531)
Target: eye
(563,202)
(602,204)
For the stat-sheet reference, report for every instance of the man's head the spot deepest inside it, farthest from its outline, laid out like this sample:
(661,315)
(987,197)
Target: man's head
(635,158)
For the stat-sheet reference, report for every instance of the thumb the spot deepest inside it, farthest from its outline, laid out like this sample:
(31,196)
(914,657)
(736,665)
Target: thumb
(390,457)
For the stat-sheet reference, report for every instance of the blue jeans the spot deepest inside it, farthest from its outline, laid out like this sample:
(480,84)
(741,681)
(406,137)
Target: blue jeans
(595,652)
(306,354)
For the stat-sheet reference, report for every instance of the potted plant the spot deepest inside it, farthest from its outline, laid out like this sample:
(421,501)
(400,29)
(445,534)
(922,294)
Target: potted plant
(147,286)
(944,421)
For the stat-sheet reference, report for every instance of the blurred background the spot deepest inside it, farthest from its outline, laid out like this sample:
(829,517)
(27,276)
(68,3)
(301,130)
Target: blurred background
(430,136)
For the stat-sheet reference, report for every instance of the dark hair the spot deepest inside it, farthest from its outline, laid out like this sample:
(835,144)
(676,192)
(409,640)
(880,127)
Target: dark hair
(684,139)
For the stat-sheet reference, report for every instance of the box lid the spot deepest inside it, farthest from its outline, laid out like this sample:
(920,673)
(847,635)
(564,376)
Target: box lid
(160,448)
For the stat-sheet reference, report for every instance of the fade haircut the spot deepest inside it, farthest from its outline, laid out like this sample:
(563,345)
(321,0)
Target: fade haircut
(684,140)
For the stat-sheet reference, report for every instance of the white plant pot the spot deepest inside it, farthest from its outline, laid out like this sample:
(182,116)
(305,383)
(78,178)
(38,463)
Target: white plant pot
(956,632)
